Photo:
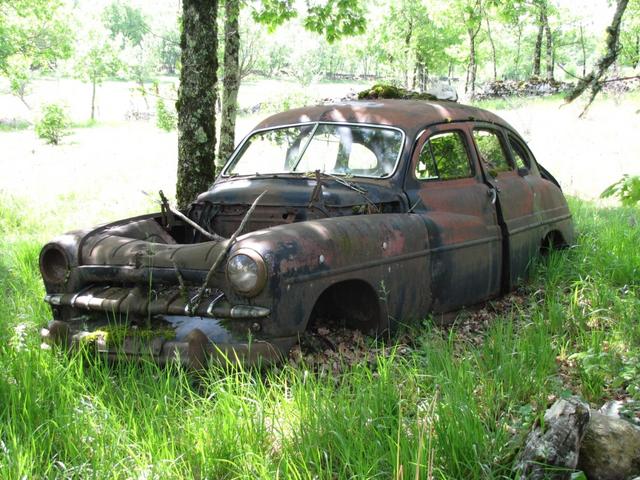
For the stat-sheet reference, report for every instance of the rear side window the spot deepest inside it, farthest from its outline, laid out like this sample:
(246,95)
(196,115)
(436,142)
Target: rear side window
(519,153)
(491,152)
(444,157)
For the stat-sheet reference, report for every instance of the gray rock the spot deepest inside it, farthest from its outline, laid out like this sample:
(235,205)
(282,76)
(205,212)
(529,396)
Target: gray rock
(552,452)
(610,449)
(611,408)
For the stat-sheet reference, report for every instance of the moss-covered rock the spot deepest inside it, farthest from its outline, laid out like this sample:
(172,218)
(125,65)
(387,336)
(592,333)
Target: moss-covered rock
(388,91)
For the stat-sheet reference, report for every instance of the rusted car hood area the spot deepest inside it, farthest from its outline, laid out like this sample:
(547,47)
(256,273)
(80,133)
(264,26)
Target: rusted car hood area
(296,191)
(291,199)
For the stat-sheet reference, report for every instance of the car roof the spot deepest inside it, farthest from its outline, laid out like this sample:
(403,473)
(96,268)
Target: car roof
(408,115)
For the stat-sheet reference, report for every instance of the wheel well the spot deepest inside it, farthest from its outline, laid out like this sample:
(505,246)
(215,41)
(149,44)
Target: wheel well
(552,241)
(351,304)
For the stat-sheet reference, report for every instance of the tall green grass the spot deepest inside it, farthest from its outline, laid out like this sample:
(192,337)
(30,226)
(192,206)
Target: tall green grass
(461,406)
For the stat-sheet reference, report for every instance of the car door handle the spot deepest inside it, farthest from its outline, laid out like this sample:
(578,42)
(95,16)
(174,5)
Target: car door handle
(493,194)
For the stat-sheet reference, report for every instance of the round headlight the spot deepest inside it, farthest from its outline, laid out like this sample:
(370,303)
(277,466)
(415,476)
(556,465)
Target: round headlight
(54,264)
(247,272)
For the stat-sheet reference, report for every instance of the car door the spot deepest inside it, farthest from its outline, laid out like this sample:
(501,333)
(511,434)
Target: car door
(445,186)
(549,203)
(515,201)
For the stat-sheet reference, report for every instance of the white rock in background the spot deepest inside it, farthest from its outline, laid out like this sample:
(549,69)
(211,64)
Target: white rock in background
(443,91)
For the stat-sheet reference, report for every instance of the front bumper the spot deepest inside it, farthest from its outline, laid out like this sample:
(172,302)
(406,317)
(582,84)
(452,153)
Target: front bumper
(193,349)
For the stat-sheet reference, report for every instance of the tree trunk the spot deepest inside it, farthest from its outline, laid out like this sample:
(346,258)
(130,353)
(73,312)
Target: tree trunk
(197,99)
(537,52)
(518,48)
(636,52)
(584,52)
(493,48)
(407,53)
(594,79)
(93,100)
(231,81)
(471,68)
(549,40)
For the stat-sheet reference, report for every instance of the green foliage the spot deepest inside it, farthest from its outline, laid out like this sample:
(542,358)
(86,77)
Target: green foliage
(630,36)
(165,119)
(273,13)
(627,189)
(169,50)
(125,21)
(99,61)
(18,71)
(34,35)
(336,19)
(54,124)
(37,30)
(333,19)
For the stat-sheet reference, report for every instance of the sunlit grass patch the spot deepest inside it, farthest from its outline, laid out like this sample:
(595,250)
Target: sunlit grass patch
(446,405)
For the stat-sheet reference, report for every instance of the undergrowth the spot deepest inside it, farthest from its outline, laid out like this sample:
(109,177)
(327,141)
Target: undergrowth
(450,407)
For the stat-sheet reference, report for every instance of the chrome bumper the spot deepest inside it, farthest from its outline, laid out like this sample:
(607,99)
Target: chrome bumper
(194,350)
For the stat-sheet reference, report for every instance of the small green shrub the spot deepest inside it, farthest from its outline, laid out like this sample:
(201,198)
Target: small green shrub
(165,118)
(54,123)
(627,189)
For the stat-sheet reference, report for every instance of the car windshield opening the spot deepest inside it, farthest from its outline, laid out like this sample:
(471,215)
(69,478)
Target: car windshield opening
(337,149)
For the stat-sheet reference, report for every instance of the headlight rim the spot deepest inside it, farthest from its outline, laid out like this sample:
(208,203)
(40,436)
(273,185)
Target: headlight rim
(51,273)
(262,272)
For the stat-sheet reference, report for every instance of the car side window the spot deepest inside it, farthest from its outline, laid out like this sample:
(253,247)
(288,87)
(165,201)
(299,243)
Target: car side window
(519,153)
(491,152)
(443,157)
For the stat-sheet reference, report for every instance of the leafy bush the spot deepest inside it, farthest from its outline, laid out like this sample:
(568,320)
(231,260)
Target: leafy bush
(165,118)
(54,124)
(627,189)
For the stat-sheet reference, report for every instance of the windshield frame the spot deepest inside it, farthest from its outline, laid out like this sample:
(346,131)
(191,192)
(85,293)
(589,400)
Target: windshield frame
(316,124)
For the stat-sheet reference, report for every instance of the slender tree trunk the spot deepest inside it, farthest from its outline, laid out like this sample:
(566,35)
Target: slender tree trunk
(636,52)
(493,48)
(537,51)
(471,68)
(519,46)
(407,53)
(584,52)
(197,99)
(231,81)
(549,41)
(421,74)
(93,99)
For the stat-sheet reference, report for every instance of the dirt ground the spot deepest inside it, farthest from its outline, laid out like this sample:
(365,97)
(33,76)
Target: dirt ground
(100,173)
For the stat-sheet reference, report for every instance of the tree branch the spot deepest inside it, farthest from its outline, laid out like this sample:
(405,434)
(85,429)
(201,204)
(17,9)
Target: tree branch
(593,81)
(195,301)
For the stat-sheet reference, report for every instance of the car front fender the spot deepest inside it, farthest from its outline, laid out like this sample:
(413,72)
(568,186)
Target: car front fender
(389,252)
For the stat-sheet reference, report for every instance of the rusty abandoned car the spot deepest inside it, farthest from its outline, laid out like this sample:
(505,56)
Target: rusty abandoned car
(373,212)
